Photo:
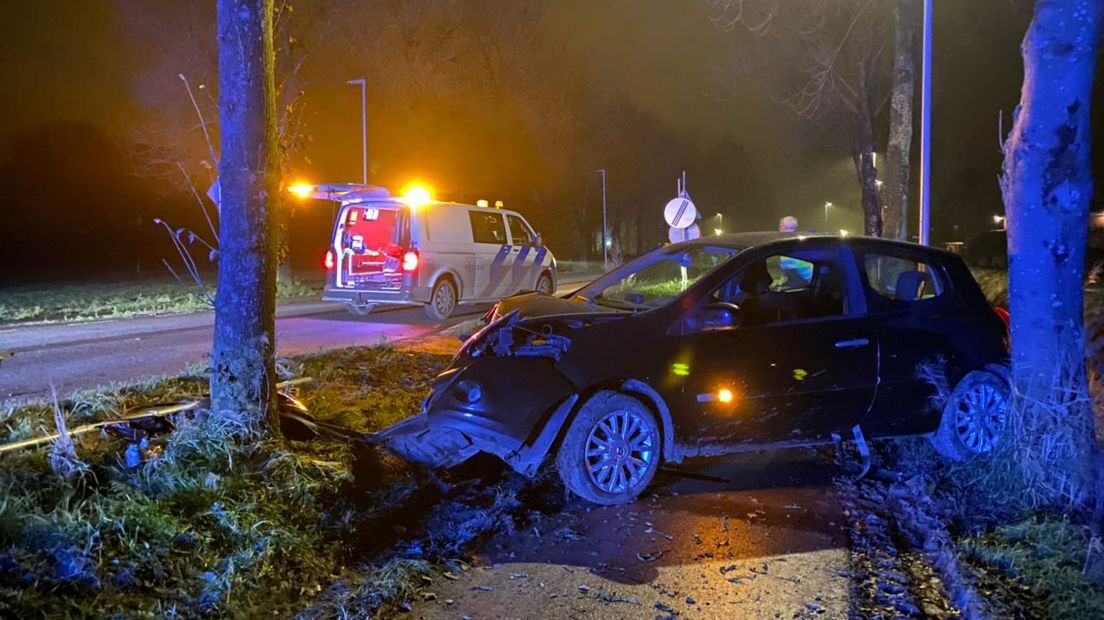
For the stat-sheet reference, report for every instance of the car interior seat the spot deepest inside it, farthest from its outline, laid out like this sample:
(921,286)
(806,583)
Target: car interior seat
(912,285)
(763,306)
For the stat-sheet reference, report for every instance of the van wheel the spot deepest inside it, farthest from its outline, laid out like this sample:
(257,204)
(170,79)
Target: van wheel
(360,310)
(610,453)
(975,417)
(544,284)
(443,300)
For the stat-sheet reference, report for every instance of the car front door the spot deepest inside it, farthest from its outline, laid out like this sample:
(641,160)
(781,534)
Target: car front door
(803,363)
(492,253)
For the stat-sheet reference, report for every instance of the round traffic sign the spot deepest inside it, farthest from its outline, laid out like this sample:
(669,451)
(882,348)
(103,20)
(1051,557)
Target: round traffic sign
(680,212)
(683,234)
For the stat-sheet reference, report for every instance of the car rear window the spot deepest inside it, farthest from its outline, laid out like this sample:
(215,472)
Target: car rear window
(896,282)
(487,227)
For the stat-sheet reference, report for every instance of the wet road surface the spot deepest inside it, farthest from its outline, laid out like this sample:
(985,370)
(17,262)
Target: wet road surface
(766,540)
(88,355)
(75,356)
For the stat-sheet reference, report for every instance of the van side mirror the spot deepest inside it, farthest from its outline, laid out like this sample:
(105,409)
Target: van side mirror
(717,316)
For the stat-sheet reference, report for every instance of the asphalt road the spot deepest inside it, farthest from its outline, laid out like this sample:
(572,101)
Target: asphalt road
(764,539)
(75,356)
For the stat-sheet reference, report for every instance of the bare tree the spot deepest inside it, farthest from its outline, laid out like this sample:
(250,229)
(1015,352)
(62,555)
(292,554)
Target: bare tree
(243,352)
(1047,185)
(842,85)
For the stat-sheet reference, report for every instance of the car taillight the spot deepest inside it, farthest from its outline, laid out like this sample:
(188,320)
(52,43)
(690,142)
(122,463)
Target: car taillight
(329,260)
(410,260)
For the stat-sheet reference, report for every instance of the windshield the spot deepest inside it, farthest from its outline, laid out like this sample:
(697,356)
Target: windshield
(655,278)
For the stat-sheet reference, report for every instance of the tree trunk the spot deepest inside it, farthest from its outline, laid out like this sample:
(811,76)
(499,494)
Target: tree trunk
(863,156)
(895,192)
(1047,185)
(242,355)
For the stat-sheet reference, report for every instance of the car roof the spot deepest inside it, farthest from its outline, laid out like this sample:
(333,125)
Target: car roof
(749,240)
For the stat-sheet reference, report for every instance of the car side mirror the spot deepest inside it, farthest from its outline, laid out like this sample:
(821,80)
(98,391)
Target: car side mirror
(538,241)
(717,316)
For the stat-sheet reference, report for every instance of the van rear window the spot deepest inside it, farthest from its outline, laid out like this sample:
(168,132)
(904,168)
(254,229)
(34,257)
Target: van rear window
(371,226)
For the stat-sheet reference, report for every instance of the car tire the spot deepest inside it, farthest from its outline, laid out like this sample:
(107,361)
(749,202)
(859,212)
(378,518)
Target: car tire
(975,416)
(544,284)
(631,436)
(442,302)
(360,310)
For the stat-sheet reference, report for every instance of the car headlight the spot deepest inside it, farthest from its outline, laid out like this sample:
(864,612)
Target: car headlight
(468,391)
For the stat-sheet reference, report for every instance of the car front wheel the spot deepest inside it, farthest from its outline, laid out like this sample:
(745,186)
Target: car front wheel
(611,451)
(975,416)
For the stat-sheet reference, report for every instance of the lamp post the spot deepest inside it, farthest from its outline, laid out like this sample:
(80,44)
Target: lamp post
(827,205)
(925,126)
(363,125)
(605,246)
(720,222)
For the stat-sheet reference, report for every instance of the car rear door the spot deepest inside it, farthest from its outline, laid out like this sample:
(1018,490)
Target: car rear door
(913,306)
(798,377)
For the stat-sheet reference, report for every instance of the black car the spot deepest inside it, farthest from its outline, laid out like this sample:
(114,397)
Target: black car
(718,345)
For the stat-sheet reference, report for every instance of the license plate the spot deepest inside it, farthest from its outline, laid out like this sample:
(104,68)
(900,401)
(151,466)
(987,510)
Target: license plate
(391,264)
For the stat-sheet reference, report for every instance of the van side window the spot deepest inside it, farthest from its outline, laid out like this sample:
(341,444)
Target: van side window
(519,232)
(487,227)
(896,282)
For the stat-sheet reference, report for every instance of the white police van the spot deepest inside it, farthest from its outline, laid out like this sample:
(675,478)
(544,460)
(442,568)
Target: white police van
(411,249)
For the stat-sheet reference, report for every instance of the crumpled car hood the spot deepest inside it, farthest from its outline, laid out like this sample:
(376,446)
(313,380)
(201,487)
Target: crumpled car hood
(536,305)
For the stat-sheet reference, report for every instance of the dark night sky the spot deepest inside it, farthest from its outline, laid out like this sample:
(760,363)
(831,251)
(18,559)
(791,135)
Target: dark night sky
(99,61)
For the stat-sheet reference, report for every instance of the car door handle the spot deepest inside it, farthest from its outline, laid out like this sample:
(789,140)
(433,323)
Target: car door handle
(852,344)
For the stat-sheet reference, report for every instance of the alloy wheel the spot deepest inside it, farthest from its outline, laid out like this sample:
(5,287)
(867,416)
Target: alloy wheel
(981,415)
(619,451)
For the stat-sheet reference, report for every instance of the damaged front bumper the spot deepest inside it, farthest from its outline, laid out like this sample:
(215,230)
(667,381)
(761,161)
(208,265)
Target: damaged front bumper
(511,408)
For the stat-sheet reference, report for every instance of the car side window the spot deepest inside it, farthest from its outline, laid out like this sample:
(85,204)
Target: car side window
(783,289)
(519,232)
(896,283)
(487,227)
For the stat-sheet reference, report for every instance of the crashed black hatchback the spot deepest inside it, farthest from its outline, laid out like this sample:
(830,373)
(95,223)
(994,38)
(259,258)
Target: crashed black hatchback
(718,345)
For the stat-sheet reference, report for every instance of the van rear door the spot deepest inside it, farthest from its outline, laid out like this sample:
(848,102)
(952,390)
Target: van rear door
(368,243)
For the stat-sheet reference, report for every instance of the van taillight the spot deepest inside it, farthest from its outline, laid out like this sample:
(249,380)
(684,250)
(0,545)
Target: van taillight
(329,260)
(410,260)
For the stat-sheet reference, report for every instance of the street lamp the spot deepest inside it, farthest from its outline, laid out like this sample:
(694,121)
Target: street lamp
(363,124)
(925,126)
(605,245)
(827,205)
(720,222)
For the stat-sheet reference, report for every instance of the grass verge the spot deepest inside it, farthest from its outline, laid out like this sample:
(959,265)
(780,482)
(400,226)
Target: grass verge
(80,302)
(209,525)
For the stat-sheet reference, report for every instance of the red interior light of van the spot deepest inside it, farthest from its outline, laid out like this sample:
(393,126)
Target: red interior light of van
(329,260)
(410,260)
(1005,316)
